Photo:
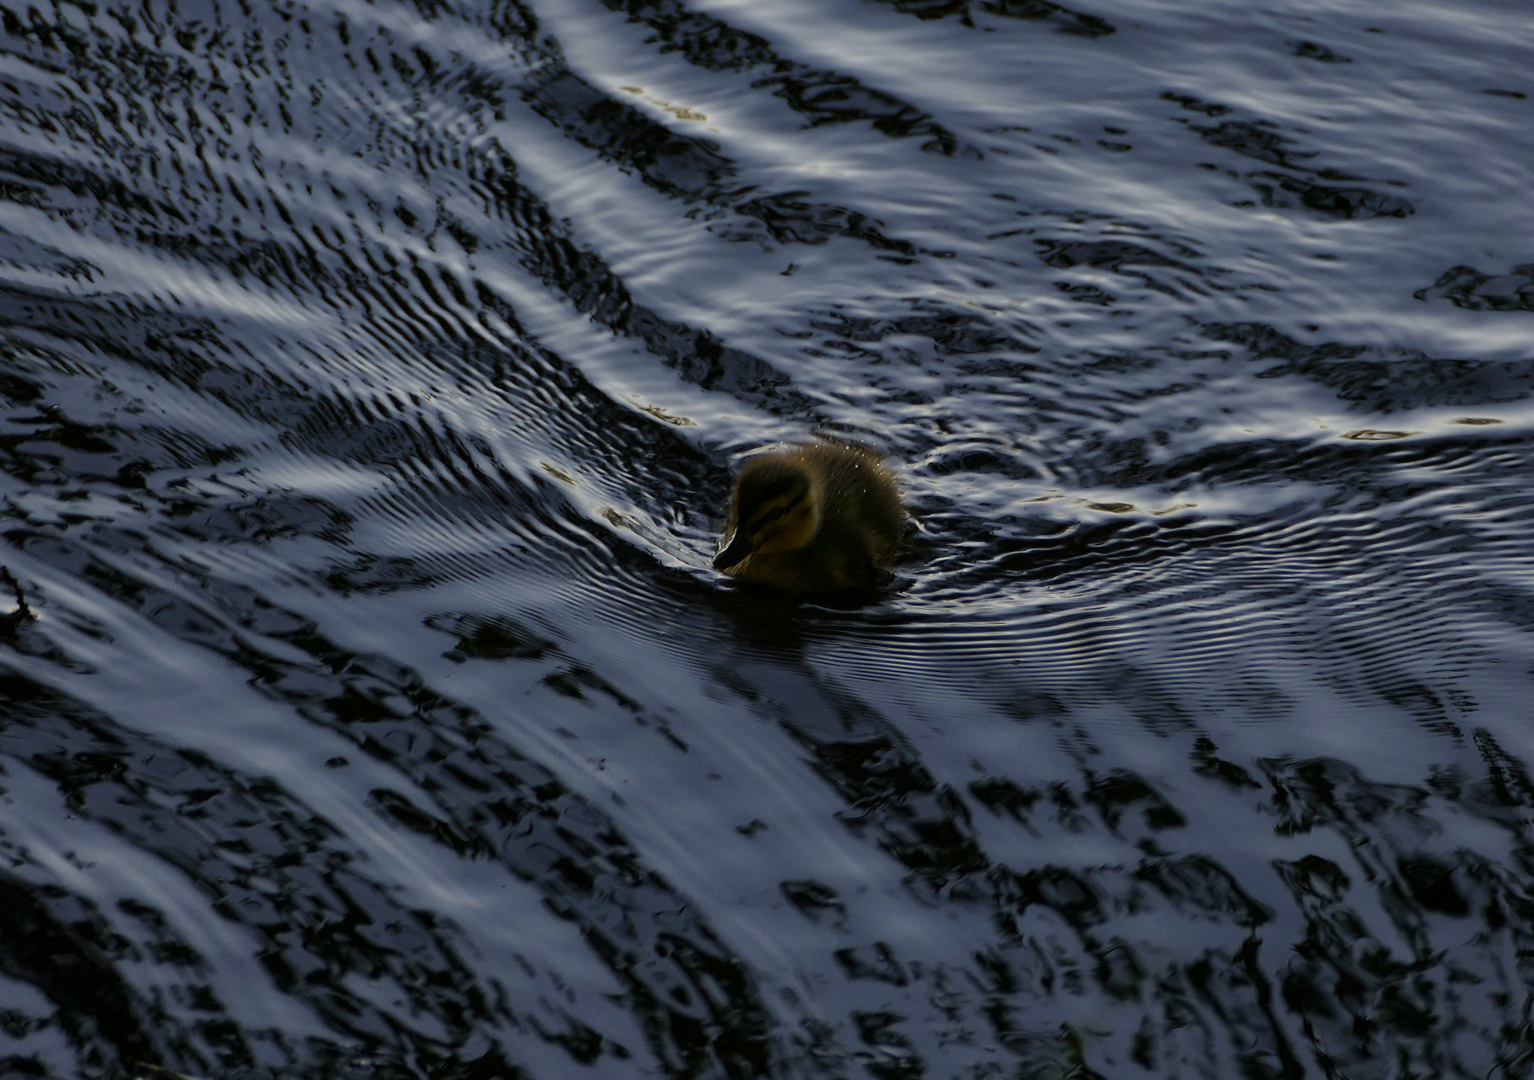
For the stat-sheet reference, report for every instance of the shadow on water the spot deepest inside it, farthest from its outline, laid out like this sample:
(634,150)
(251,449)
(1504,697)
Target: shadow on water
(370,383)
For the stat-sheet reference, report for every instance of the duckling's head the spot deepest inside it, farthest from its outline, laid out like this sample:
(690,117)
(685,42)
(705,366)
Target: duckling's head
(776,509)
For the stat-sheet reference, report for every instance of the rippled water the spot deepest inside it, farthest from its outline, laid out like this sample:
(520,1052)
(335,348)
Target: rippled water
(373,375)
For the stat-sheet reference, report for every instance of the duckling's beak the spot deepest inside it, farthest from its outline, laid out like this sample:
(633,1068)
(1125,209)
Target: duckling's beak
(737,549)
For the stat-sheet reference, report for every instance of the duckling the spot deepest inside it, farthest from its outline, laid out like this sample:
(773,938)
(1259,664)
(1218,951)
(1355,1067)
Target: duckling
(816,517)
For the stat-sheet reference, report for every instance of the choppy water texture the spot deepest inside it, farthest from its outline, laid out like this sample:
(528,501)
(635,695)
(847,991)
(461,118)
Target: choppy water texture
(372,378)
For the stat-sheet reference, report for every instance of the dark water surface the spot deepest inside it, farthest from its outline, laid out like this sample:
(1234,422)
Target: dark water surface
(371,378)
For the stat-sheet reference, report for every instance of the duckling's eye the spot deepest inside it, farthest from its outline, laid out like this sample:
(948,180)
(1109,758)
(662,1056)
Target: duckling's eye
(765,521)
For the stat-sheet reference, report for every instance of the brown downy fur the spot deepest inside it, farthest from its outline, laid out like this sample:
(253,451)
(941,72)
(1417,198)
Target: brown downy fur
(815,517)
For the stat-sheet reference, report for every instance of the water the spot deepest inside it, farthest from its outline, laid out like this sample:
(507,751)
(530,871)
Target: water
(373,376)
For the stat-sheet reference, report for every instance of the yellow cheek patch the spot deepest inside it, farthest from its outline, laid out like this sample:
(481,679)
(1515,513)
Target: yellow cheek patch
(770,512)
(787,532)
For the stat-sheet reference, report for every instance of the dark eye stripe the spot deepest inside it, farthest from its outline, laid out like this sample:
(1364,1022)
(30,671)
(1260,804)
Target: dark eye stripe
(776,512)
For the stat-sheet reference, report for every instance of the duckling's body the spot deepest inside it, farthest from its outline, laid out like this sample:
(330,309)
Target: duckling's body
(817,517)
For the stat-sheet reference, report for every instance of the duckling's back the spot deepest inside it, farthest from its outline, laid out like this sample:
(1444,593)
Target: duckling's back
(862,520)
